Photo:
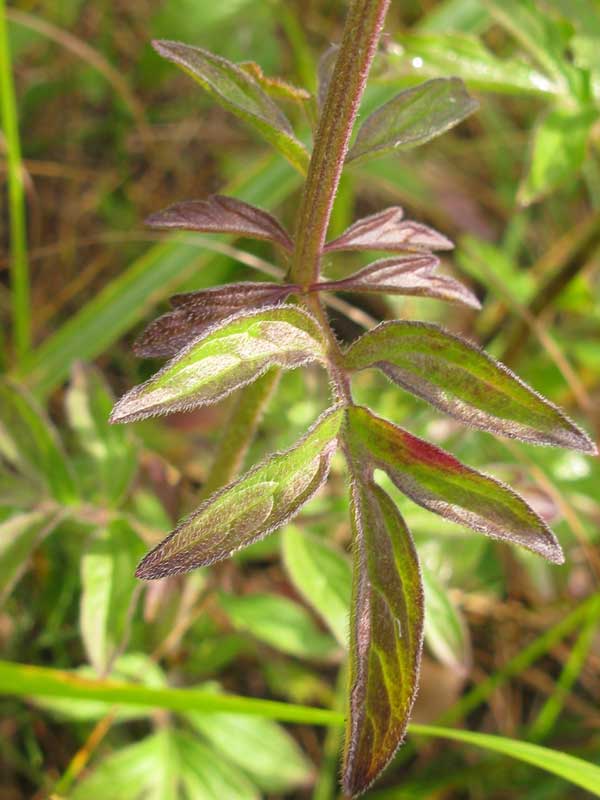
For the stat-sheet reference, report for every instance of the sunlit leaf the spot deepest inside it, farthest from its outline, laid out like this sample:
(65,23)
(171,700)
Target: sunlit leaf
(221,214)
(405,275)
(235,90)
(462,380)
(202,775)
(445,631)
(436,480)
(20,534)
(323,577)
(108,582)
(280,623)
(558,151)
(412,118)
(386,633)
(31,446)
(195,312)
(261,747)
(246,510)
(110,456)
(224,358)
(388,230)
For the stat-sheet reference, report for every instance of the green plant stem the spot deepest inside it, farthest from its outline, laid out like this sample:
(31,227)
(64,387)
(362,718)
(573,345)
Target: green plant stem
(359,41)
(19,272)
(239,431)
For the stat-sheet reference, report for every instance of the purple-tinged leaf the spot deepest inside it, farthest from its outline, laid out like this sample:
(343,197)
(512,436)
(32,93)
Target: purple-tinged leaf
(195,312)
(226,357)
(388,230)
(436,480)
(245,511)
(221,214)
(386,635)
(405,275)
(238,92)
(412,118)
(462,380)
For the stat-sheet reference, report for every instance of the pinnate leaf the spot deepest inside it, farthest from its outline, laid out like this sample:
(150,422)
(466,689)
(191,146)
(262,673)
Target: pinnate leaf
(388,230)
(412,118)
(246,510)
(405,275)
(436,480)
(462,380)
(386,634)
(224,358)
(221,214)
(195,312)
(234,89)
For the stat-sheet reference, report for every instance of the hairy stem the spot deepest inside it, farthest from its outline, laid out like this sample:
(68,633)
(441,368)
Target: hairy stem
(361,34)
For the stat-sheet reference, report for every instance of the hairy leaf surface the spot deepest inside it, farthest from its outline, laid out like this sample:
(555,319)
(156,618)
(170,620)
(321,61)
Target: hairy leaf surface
(439,482)
(221,214)
(246,510)
(405,275)
(465,382)
(386,635)
(226,357)
(412,118)
(234,89)
(195,312)
(388,230)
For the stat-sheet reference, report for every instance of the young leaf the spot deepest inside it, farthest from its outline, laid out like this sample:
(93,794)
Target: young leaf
(462,380)
(558,151)
(221,214)
(235,90)
(388,230)
(323,577)
(195,312)
(386,635)
(224,358)
(261,747)
(246,510)
(31,445)
(404,275)
(412,118)
(280,623)
(436,480)
(107,581)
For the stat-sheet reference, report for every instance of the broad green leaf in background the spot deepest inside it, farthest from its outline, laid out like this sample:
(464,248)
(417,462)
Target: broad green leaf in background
(235,90)
(467,58)
(260,747)
(108,583)
(558,151)
(111,455)
(19,536)
(203,775)
(412,118)
(226,357)
(30,444)
(446,634)
(386,631)
(246,510)
(280,623)
(323,577)
(436,480)
(462,380)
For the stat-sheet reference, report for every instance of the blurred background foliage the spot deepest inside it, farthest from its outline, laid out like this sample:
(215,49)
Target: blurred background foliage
(110,133)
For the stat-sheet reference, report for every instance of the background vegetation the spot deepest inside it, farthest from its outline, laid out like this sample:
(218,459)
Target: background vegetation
(110,133)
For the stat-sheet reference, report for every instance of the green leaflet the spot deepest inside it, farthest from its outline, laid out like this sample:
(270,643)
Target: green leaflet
(558,151)
(246,510)
(238,92)
(463,381)
(386,633)
(226,357)
(439,482)
(412,118)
